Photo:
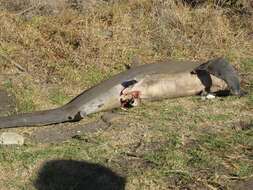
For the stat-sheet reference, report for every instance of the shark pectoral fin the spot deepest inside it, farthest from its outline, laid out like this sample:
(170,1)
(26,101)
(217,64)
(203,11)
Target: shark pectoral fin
(205,79)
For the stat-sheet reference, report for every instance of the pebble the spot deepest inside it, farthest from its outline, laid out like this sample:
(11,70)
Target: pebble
(208,97)
(11,138)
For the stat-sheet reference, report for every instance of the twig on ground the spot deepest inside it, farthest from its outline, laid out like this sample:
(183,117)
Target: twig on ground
(26,10)
(29,9)
(237,177)
(18,66)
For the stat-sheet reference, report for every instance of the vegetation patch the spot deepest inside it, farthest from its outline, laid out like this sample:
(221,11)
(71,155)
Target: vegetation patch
(57,49)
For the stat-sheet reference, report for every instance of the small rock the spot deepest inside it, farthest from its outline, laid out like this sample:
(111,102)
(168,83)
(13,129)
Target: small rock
(10,138)
(208,97)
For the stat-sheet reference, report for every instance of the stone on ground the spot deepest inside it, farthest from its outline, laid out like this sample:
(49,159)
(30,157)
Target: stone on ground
(10,138)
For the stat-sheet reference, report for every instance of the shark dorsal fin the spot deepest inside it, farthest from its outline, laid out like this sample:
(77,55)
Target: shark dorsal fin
(136,61)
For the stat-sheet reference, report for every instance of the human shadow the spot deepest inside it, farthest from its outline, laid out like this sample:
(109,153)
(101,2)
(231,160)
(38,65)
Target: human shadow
(77,175)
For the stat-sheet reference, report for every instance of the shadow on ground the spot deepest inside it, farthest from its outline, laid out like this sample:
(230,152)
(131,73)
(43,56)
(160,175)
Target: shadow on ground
(77,175)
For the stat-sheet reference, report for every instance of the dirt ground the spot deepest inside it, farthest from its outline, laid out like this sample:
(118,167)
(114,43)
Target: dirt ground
(52,50)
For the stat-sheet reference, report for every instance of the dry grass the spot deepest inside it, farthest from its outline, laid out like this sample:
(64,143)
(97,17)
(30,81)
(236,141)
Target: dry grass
(70,49)
(61,48)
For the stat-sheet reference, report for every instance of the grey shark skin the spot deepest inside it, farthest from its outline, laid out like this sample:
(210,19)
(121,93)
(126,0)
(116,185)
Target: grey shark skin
(166,79)
(222,69)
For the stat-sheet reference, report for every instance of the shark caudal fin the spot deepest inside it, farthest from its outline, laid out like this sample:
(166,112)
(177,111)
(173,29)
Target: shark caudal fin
(222,69)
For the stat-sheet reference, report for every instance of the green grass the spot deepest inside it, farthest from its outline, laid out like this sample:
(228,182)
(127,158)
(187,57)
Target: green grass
(58,97)
(183,143)
(247,67)
(24,96)
(93,75)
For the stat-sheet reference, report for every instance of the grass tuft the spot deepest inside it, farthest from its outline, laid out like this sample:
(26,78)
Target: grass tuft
(69,46)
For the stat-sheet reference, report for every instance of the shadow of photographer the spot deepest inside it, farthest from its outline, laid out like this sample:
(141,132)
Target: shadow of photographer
(77,175)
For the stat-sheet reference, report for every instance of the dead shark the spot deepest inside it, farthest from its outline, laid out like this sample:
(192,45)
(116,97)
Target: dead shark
(148,82)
